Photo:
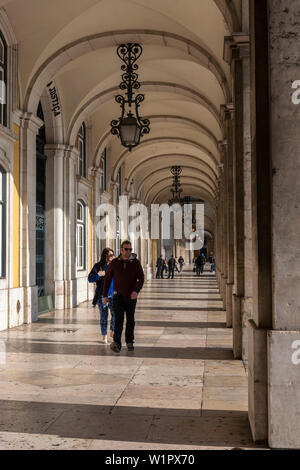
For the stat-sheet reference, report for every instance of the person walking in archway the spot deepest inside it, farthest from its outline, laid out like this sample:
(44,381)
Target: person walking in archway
(213,265)
(97,275)
(160,264)
(181,263)
(203,262)
(199,265)
(165,268)
(128,276)
(171,266)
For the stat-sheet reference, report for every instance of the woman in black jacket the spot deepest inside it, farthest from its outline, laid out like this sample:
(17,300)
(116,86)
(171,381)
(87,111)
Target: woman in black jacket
(97,275)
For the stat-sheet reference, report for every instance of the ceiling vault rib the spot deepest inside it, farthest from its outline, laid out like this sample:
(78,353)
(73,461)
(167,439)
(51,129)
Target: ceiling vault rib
(53,64)
(159,170)
(160,157)
(147,142)
(169,185)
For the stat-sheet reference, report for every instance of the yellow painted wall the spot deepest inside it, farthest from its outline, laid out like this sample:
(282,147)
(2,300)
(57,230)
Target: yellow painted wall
(16,210)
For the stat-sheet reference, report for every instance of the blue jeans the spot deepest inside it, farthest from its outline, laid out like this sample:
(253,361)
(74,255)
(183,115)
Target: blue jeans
(103,309)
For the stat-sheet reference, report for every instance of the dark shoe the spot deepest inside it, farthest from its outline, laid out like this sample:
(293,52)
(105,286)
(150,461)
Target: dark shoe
(130,347)
(115,347)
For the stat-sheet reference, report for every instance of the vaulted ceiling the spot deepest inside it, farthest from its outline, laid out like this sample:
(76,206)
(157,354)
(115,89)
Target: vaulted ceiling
(182,74)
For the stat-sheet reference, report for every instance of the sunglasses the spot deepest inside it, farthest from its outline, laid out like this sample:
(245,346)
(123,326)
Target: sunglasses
(127,249)
(111,255)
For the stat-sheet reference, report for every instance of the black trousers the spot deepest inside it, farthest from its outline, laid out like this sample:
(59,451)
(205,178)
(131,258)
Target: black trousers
(121,305)
(159,273)
(171,273)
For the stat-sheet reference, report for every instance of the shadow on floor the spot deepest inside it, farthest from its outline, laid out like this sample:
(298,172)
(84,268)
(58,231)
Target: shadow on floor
(143,323)
(128,424)
(186,297)
(153,308)
(44,346)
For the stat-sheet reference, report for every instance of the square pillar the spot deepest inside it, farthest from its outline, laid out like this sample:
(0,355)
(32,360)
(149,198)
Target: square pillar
(30,125)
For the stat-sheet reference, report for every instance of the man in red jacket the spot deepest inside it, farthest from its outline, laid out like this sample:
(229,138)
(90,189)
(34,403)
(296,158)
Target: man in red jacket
(128,276)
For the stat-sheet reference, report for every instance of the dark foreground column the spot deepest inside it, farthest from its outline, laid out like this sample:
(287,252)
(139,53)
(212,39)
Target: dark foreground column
(261,223)
(284,339)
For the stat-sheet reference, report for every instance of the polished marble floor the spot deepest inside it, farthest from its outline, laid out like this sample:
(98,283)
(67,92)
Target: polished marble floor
(60,388)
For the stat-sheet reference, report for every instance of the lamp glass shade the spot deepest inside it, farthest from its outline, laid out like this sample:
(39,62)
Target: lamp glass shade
(130,131)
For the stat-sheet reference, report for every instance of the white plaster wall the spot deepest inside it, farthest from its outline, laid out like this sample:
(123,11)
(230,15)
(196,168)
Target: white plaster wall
(3,310)
(82,290)
(16,307)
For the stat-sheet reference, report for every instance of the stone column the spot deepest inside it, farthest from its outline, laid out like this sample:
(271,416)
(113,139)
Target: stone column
(70,207)
(96,190)
(54,281)
(236,50)
(261,227)
(137,242)
(124,215)
(30,125)
(223,241)
(219,261)
(217,236)
(223,225)
(227,112)
(114,189)
(247,300)
(149,266)
(284,339)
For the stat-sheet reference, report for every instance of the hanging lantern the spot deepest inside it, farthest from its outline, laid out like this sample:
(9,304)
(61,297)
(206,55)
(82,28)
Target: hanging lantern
(129,127)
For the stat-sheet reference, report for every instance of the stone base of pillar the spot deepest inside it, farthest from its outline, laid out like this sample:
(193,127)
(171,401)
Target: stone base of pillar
(148,273)
(4,312)
(284,389)
(30,304)
(91,291)
(11,308)
(229,289)
(70,293)
(56,289)
(15,307)
(258,383)
(237,326)
(59,295)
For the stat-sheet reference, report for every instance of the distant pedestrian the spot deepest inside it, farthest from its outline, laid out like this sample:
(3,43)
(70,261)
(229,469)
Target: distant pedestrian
(165,269)
(97,275)
(160,264)
(171,266)
(128,276)
(199,262)
(181,263)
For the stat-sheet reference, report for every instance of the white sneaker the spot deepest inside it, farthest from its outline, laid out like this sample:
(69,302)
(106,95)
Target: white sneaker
(104,339)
